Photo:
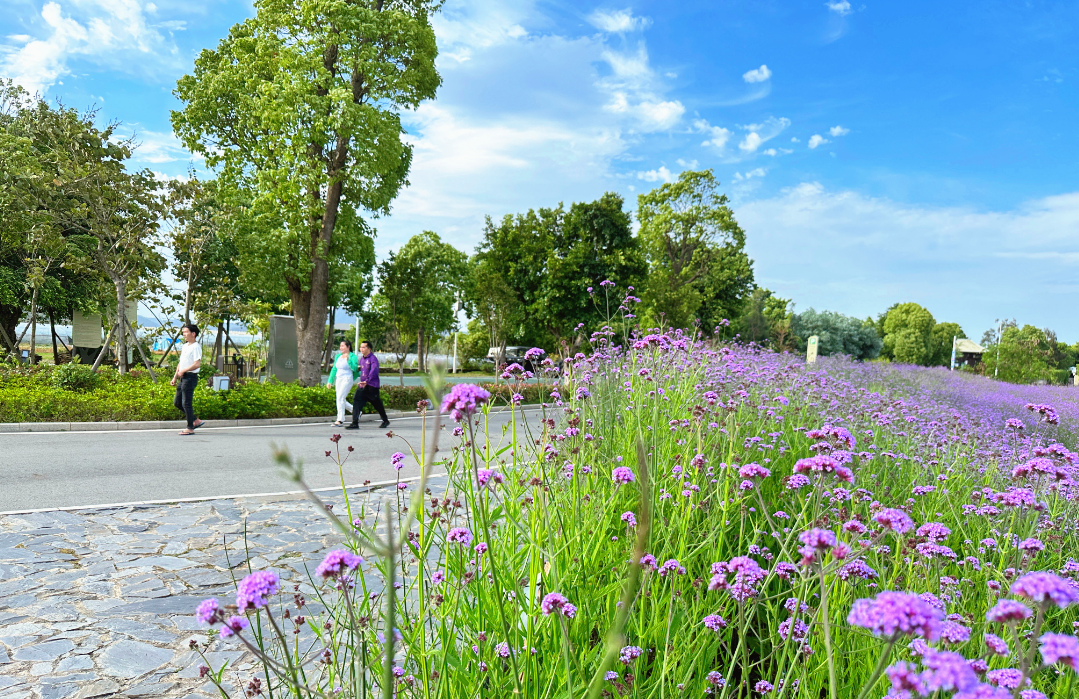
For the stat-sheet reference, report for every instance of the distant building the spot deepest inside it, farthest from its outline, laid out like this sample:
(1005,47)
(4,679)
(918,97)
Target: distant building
(968,352)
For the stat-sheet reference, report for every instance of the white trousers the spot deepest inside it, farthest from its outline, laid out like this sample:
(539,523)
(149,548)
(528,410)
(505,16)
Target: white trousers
(343,385)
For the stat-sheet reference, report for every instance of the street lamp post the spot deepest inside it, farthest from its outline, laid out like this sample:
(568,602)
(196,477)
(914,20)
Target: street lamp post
(1000,329)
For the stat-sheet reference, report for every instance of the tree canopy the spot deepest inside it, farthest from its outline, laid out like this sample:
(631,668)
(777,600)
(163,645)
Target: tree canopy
(838,334)
(298,110)
(697,265)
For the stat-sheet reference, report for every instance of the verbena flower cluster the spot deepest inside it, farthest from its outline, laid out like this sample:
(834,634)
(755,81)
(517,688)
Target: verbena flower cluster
(686,516)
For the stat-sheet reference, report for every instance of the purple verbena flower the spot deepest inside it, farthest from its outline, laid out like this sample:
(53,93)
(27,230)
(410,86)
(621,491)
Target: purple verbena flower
(891,614)
(337,562)
(464,399)
(1046,588)
(234,625)
(459,535)
(894,520)
(1007,611)
(208,611)
(254,591)
(1060,648)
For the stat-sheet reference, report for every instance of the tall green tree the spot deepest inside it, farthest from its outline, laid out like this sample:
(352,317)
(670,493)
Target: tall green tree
(1022,355)
(908,334)
(512,260)
(838,334)
(943,336)
(594,241)
(697,265)
(440,273)
(763,314)
(39,251)
(546,259)
(299,109)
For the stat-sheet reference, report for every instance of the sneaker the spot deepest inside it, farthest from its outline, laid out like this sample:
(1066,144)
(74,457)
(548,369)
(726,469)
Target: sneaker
(384,425)
(352,426)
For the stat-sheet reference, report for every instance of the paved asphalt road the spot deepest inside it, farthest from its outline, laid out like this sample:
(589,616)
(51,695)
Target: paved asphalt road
(65,469)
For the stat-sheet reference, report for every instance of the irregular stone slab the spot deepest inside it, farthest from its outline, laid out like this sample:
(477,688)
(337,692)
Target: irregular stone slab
(75,662)
(43,652)
(130,659)
(166,562)
(190,661)
(58,691)
(17,641)
(139,630)
(101,688)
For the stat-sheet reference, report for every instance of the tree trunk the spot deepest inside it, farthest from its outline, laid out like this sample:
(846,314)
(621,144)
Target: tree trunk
(121,316)
(55,352)
(104,349)
(420,337)
(328,353)
(217,358)
(33,327)
(135,341)
(187,296)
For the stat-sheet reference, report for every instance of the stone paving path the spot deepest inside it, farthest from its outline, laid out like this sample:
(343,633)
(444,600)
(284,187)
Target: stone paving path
(100,603)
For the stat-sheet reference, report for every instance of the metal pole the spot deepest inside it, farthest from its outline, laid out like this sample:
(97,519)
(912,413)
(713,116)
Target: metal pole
(1000,329)
(455,351)
(952,367)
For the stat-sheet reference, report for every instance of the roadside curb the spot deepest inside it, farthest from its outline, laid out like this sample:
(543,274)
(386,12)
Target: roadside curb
(38,427)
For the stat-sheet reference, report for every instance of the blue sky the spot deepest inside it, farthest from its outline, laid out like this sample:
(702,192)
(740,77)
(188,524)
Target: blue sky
(874,153)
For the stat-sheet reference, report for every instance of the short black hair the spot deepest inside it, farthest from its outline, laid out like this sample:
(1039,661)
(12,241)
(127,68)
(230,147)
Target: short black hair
(348,343)
(368,343)
(192,327)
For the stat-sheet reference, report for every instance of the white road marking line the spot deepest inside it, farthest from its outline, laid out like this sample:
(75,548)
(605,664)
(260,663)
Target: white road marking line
(114,505)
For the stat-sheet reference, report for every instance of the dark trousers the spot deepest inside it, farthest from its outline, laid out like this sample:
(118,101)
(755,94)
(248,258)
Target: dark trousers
(365,395)
(185,394)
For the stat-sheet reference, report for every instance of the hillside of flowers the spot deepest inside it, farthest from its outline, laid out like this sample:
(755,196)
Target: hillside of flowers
(697,518)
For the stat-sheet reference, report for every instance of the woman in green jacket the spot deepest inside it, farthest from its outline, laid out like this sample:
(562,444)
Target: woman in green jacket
(346,368)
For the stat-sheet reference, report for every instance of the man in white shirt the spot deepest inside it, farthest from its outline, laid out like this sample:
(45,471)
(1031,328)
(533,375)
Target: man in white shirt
(187,373)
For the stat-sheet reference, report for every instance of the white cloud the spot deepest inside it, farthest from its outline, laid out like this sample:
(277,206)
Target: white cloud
(848,252)
(636,90)
(656,116)
(618,22)
(817,140)
(759,133)
(524,123)
(717,135)
(158,147)
(755,172)
(840,7)
(656,175)
(113,34)
(480,24)
(688,164)
(751,142)
(771,151)
(757,75)
(838,131)
(794,139)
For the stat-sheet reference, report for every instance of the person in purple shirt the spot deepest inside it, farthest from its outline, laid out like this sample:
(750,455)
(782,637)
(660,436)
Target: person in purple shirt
(367,388)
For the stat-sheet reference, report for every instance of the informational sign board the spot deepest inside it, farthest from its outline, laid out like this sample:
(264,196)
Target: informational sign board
(86,329)
(283,357)
(811,349)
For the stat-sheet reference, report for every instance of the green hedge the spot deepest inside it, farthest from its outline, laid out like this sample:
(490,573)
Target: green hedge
(51,394)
